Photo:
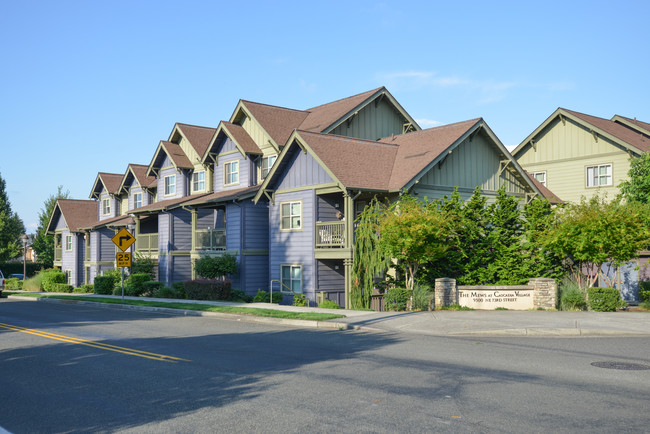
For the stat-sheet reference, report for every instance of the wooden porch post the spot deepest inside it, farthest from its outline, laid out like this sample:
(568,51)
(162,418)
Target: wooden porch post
(348,212)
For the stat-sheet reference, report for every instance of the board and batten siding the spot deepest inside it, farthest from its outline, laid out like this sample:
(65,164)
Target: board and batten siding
(303,171)
(258,135)
(373,122)
(471,164)
(294,247)
(564,151)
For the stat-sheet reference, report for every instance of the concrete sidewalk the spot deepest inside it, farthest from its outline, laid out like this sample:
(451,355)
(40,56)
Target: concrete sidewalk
(436,323)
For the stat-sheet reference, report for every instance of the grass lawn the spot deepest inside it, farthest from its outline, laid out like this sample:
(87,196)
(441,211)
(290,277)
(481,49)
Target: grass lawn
(310,316)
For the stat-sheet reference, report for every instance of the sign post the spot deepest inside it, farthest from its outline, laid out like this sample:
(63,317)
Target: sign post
(123,240)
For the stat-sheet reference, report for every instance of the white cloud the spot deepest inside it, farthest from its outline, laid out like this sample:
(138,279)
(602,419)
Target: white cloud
(427,123)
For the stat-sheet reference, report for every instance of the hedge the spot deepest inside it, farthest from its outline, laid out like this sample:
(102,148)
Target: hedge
(604,299)
(644,291)
(51,278)
(134,285)
(208,289)
(61,287)
(104,285)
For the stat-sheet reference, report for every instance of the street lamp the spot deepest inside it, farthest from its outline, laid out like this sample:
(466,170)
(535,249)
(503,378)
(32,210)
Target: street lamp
(25,239)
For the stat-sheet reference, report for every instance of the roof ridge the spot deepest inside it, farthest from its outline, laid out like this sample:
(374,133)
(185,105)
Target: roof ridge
(347,138)
(195,126)
(274,106)
(343,99)
(427,130)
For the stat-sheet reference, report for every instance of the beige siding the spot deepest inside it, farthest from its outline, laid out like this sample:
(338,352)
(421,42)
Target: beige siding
(124,206)
(564,151)
(373,122)
(471,164)
(259,136)
(189,150)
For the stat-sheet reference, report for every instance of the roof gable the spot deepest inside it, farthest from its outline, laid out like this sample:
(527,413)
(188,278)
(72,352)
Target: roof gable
(243,142)
(76,213)
(277,122)
(641,127)
(137,173)
(111,182)
(175,154)
(199,137)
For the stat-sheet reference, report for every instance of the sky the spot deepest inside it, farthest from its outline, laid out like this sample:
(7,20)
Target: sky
(88,86)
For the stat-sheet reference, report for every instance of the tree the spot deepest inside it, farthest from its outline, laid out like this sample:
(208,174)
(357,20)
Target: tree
(539,261)
(43,243)
(415,233)
(637,188)
(11,228)
(597,233)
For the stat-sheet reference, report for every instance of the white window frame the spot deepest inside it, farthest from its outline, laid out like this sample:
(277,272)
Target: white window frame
(290,281)
(291,216)
(543,182)
(137,203)
(268,162)
(230,175)
(106,206)
(198,183)
(68,243)
(169,187)
(68,276)
(595,180)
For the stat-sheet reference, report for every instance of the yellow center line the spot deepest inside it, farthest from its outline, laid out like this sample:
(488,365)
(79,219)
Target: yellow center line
(63,338)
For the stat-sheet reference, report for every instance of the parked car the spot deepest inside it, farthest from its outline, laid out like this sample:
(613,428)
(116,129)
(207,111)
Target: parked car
(17,276)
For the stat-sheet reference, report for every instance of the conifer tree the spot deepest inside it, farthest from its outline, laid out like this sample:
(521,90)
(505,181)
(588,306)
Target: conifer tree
(11,228)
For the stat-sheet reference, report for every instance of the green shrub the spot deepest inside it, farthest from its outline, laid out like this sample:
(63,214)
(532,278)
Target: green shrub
(104,285)
(142,264)
(61,287)
(179,289)
(50,278)
(151,286)
(134,284)
(572,298)
(84,289)
(422,296)
(240,296)
(13,284)
(329,304)
(265,297)
(644,291)
(214,267)
(397,298)
(454,307)
(34,284)
(605,299)
(208,289)
(300,300)
(164,292)
(116,274)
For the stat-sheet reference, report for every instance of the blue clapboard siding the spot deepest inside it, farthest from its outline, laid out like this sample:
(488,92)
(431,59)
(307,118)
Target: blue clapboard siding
(254,272)
(233,226)
(181,230)
(304,171)
(106,246)
(146,197)
(329,278)
(78,272)
(211,218)
(256,225)
(294,247)
(244,172)
(328,207)
(163,232)
(68,258)
(182,183)
(115,206)
(181,268)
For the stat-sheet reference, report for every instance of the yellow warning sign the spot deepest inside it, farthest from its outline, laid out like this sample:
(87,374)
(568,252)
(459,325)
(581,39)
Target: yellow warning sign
(123,259)
(123,239)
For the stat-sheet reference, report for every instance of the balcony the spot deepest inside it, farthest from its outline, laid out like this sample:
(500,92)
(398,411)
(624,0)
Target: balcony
(330,234)
(146,243)
(58,253)
(210,240)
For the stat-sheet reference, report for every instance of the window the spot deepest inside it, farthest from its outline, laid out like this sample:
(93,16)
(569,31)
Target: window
(292,278)
(541,177)
(291,215)
(231,175)
(198,181)
(170,185)
(68,277)
(68,243)
(137,200)
(599,175)
(106,206)
(267,163)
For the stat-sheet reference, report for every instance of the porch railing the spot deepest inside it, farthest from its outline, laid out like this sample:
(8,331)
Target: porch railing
(330,234)
(58,253)
(146,243)
(210,239)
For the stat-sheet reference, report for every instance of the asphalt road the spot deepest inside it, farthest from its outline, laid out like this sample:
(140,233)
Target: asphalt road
(81,368)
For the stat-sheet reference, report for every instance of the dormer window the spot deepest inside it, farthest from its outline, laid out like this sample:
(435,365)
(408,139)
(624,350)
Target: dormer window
(231,173)
(198,181)
(106,206)
(267,163)
(170,185)
(137,200)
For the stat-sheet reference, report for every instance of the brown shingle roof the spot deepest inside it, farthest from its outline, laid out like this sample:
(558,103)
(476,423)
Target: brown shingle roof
(109,181)
(222,196)
(78,213)
(199,137)
(643,127)
(548,194)
(140,174)
(325,115)
(279,122)
(121,220)
(240,135)
(176,154)
(166,204)
(617,130)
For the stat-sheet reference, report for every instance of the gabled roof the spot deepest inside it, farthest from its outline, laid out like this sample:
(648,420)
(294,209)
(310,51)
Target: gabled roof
(76,213)
(175,153)
(548,194)
(279,122)
(199,137)
(109,181)
(119,221)
(390,164)
(224,196)
(237,134)
(614,131)
(164,205)
(641,127)
(139,173)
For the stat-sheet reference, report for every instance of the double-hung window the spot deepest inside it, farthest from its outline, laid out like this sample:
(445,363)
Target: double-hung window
(137,200)
(198,181)
(231,173)
(599,175)
(170,185)
(106,206)
(68,243)
(267,163)
(291,215)
(292,278)
(541,177)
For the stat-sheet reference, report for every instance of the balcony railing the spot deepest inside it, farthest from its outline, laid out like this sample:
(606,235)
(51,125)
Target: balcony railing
(58,253)
(146,243)
(210,239)
(330,234)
